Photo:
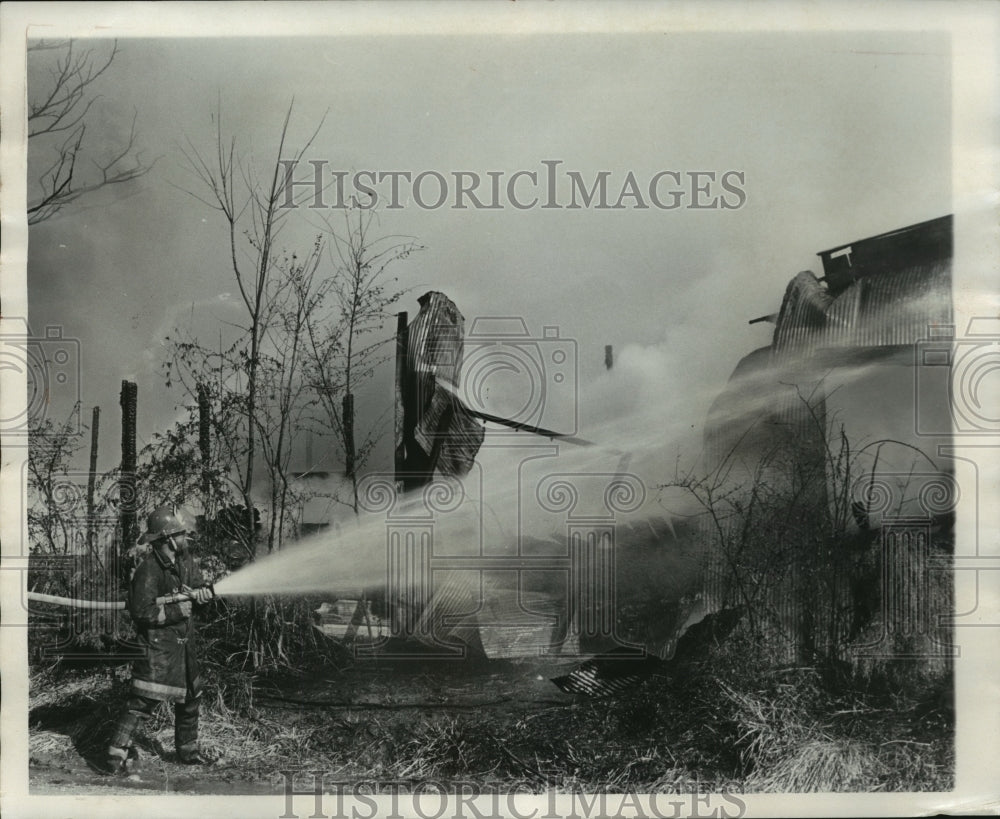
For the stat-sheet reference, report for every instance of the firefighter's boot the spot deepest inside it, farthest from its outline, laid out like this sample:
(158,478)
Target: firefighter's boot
(186,733)
(115,761)
(121,757)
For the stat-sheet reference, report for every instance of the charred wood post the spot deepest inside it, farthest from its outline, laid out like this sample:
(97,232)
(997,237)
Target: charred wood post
(204,444)
(402,342)
(92,478)
(127,490)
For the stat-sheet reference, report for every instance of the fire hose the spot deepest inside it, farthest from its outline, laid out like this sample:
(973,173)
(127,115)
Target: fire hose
(108,605)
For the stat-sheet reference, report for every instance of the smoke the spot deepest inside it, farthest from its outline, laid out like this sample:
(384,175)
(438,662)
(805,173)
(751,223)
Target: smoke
(528,496)
(525,492)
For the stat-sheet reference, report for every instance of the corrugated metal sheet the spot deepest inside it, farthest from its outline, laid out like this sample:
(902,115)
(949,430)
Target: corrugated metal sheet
(494,614)
(875,311)
(891,309)
(449,619)
(514,622)
(437,339)
(802,316)
(600,678)
(438,431)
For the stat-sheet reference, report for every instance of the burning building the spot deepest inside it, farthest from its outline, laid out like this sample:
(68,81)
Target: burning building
(825,504)
(830,488)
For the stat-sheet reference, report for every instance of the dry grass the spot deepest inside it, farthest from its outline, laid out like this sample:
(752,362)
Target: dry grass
(719,723)
(785,748)
(799,732)
(48,742)
(819,765)
(71,713)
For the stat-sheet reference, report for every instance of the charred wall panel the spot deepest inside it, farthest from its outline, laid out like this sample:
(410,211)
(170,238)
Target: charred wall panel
(879,296)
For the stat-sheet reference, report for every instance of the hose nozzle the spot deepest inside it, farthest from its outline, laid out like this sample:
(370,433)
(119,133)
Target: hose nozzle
(184,595)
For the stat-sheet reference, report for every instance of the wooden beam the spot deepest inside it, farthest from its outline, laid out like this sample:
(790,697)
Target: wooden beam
(402,343)
(95,425)
(521,427)
(129,405)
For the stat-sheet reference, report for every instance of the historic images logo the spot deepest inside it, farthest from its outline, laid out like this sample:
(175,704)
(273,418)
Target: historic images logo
(364,799)
(548,188)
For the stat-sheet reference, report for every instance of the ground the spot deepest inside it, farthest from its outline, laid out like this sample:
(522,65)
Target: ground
(717,724)
(361,715)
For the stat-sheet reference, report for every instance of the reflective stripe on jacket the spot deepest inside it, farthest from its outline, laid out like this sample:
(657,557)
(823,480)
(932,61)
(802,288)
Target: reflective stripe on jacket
(169,668)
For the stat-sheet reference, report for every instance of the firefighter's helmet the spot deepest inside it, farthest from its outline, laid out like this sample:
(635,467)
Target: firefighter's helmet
(164,521)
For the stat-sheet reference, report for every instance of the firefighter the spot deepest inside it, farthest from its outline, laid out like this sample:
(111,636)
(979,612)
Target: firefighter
(168,669)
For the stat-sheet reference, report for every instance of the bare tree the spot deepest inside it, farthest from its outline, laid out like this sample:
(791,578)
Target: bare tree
(346,348)
(787,528)
(174,460)
(294,299)
(306,340)
(61,97)
(251,207)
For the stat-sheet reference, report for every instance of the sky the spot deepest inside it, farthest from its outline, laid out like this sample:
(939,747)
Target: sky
(837,136)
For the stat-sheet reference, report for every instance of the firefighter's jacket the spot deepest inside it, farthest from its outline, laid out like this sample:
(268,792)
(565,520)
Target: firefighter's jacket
(169,668)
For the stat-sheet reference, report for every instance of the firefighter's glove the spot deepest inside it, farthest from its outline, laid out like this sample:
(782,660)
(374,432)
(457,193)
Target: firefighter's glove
(185,607)
(200,595)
